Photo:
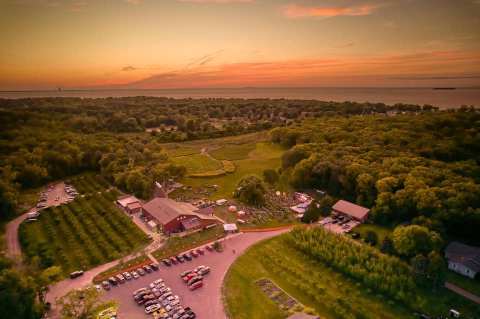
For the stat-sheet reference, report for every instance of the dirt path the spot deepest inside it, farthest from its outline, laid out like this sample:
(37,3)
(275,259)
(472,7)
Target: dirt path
(463,292)
(14,250)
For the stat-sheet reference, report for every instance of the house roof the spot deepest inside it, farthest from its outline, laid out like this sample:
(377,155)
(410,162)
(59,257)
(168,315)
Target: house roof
(351,209)
(191,223)
(166,209)
(127,199)
(134,205)
(469,256)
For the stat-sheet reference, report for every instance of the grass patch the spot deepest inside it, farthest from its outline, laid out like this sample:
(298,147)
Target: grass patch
(85,233)
(175,245)
(265,155)
(233,152)
(198,163)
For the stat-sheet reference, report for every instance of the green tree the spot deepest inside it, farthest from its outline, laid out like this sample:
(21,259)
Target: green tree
(250,190)
(270,176)
(18,296)
(371,237)
(313,212)
(413,240)
(436,269)
(387,246)
(82,304)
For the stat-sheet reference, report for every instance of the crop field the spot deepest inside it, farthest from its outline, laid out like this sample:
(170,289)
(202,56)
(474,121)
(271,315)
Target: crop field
(89,183)
(315,285)
(85,233)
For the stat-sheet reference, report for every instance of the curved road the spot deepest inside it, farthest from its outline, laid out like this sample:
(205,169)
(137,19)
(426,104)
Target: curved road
(14,250)
(206,302)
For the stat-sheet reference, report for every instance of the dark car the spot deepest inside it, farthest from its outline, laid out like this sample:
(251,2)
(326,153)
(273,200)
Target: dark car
(187,256)
(113,281)
(76,274)
(147,268)
(180,259)
(166,262)
(200,251)
(154,266)
(151,302)
(209,247)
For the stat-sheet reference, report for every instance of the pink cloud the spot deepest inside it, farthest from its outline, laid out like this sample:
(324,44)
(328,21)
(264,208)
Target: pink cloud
(298,11)
(216,1)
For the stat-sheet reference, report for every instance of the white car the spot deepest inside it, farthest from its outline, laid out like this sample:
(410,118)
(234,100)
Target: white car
(135,275)
(152,308)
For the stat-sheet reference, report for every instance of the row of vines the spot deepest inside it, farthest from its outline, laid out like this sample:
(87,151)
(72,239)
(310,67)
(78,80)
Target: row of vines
(87,232)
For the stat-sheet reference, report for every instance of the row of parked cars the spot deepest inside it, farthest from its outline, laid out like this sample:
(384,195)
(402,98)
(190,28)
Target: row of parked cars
(194,278)
(188,256)
(158,300)
(125,276)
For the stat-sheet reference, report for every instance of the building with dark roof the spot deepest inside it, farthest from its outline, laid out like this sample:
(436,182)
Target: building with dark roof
(352,210)
(173,217)
(463,259)
(130,204)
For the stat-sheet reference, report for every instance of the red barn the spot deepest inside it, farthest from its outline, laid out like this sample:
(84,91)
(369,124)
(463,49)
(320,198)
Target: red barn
(174,217)
(352,210)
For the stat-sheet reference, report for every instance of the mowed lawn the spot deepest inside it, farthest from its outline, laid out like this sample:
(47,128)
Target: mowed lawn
(262,156)
(198,163)
(87,232)
(331,294)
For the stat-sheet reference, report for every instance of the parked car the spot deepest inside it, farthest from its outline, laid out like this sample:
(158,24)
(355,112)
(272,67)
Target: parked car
(154,266)
(194,254)
(173,260)
(194,280)
(76,274)
(113,281)
(152,308)
(189,276)
(186,272)
(209,247)
(141,272)
(151,302)
(187,256)
(166,262)
(203,271)
(196,285)
(135,275)
(127,275)
(158,282)
(140,290)
(106,285)
(200,251)
(147,268)
(120,278)
(180,259)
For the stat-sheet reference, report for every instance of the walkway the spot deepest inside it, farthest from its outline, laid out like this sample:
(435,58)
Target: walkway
(462,292)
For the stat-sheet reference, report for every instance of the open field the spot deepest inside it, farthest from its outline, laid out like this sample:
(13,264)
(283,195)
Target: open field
(330,293)
(85,233)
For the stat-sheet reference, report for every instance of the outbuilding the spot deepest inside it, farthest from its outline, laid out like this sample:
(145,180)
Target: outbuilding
(352,210)
(463,259)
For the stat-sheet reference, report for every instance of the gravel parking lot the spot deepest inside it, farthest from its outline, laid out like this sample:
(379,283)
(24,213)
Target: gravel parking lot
(206,302)
(337,228)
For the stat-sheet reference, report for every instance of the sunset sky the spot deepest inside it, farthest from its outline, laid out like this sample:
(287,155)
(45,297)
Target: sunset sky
(237,43)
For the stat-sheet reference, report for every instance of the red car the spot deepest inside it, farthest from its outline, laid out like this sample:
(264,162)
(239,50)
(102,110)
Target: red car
(194,253)
(209,248)
(173,260)
(200,251)
(196,285)
(189,276)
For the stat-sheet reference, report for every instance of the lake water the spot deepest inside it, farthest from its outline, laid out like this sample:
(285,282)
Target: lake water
(440,98)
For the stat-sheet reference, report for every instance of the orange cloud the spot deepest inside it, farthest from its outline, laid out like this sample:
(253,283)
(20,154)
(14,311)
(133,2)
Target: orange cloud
(299,11)
(216,1)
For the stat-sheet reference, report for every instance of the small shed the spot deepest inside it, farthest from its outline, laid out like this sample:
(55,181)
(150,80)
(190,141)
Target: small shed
(230,228)
(152,225)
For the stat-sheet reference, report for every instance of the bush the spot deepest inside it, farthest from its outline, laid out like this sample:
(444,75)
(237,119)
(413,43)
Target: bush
(250,190)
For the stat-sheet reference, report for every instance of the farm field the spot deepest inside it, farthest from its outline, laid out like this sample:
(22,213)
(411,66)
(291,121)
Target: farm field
(87,232)
(88,183)
(381,232)
(313,284)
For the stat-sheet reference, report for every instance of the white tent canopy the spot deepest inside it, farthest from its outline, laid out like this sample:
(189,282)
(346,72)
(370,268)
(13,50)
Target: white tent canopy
(230,227)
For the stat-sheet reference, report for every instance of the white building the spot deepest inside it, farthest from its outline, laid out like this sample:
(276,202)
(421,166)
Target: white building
(463,259)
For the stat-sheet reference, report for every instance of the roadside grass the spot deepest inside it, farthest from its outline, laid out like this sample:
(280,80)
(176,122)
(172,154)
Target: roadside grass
(80,235)
(175,245)
(381,232)
(471,285)
(331,290)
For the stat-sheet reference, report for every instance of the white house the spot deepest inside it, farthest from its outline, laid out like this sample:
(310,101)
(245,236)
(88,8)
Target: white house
(463,259)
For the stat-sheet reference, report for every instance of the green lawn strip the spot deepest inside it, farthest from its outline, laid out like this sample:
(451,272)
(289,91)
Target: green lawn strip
(471,285)
(312,284)
(175,245)
(198,163)
(129,265)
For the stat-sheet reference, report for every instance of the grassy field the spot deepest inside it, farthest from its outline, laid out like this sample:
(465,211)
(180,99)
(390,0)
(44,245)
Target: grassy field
(330,293)
(87,232)
(264,155)
(174,245)
(233,152)
(88,183)
(312,284)
(198,163)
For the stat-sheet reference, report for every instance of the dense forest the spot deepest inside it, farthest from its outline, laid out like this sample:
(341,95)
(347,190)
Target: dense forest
(422,169)
(45,139)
